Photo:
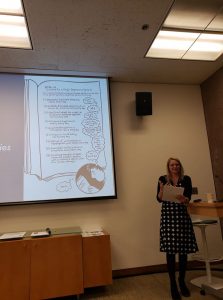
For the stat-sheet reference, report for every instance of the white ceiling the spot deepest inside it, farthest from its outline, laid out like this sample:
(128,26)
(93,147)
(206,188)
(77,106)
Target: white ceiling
(105,37)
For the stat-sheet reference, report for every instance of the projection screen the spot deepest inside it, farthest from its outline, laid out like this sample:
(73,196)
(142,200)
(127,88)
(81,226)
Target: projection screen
(55,139)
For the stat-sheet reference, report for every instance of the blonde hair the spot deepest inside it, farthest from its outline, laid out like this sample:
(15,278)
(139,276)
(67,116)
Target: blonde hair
(168,168)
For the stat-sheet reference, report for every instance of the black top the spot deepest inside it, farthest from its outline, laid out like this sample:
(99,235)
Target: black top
(185,182)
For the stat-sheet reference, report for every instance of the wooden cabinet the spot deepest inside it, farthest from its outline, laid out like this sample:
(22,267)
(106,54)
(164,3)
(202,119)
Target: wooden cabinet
(97,261)
(55,266)
(14,270)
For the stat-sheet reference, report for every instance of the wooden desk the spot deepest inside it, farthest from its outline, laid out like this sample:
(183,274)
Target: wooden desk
(214,209)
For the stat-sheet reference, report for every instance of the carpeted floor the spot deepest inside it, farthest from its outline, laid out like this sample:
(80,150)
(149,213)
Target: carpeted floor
(146,287)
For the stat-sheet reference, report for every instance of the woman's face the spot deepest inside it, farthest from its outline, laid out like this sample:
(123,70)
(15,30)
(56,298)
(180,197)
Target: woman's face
(174,167)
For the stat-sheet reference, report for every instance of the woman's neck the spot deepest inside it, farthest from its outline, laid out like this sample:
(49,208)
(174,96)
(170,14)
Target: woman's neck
(175,178)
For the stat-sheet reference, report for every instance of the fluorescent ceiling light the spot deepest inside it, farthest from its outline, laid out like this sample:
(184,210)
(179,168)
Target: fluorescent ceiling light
(174,40)
(13,28)
(192,30)
(208,43)
(186,45)
(11,6)
(207,47)
(171,44)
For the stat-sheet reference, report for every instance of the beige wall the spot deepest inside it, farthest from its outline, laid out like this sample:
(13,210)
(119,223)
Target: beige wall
(142,146)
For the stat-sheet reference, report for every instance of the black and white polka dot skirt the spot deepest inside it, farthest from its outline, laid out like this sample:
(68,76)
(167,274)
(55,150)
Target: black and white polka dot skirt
(176,230)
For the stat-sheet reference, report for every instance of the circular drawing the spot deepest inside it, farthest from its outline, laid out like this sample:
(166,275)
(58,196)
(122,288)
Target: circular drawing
(90,178)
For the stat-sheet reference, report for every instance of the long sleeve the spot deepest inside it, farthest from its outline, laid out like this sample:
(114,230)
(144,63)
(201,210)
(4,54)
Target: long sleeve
(163,180)
(158,190)
(187,187)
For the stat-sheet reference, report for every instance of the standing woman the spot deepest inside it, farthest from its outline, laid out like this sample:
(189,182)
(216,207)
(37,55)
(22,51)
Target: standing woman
(176,229)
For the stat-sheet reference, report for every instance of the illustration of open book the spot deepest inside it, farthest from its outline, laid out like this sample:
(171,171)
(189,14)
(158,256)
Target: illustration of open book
(63,126)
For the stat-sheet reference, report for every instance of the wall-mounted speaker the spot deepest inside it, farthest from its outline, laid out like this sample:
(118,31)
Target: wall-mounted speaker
(143,103)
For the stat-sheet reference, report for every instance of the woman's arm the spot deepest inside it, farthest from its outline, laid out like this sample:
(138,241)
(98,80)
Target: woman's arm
(187,184)
(160,185)
(187,187)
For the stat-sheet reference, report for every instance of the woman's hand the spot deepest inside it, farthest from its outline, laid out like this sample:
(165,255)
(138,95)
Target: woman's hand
(182,199)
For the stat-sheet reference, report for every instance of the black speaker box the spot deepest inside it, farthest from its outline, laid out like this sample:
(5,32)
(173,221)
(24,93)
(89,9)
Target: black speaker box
(143,103)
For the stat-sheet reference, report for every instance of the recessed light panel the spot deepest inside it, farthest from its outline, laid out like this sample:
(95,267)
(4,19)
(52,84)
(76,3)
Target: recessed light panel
(171,44)
(186,45)
(13,28)
(206,47)
(11,7)
(192,30)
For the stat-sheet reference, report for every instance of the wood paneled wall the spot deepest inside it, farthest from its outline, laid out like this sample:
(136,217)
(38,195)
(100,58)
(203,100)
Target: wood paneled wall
(212,95)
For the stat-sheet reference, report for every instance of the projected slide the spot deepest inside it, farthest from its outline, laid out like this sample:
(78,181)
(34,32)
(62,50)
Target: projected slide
(67,142)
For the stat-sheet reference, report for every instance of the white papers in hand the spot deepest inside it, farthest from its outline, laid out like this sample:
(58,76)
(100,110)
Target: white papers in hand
(170,192)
